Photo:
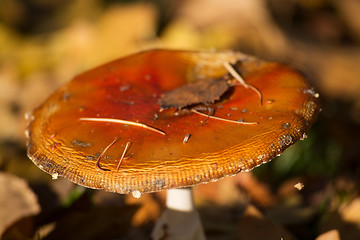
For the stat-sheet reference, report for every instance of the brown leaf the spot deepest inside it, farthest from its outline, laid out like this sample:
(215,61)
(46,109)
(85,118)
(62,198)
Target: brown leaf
(258,191)
(330,235)
(97,223)
(346,220)
(200,92)
(149,209)
(16,200)
(255,226)
(222,193)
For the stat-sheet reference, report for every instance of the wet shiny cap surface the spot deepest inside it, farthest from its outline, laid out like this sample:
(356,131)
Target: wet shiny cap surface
(106,128)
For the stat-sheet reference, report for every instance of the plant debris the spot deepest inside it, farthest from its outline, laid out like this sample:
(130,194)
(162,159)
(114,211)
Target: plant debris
(200,92)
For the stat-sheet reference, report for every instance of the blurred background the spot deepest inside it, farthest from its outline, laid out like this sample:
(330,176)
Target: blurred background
(44,44)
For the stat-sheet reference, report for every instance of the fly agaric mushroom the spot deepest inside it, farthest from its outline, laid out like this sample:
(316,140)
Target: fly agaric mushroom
(165,119)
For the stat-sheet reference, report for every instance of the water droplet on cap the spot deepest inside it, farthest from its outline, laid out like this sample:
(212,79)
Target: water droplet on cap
(54,176)
(286,125)
(136,194)
(285,140)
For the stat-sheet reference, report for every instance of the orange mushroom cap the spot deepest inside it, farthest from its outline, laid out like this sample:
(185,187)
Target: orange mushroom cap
(105,129)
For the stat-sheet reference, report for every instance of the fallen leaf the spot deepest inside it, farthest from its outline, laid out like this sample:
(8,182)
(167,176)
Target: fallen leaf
(95,223)
(259,192)
(346,220)
(200,92)
(223,24)
(17,200)
(330,235)
(149,209)
(253,225)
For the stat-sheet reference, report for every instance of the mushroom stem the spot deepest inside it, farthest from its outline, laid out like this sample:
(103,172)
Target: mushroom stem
(180,220)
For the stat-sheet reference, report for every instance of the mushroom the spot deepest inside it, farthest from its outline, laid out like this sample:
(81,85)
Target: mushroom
(126,126)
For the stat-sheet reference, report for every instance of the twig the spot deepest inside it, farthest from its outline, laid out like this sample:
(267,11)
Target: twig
(186,138)
(224,119)
(113,120)
(238,77)
(127,147)
(97,164)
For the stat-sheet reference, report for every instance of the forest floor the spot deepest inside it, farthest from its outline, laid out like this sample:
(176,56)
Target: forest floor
(45,44)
